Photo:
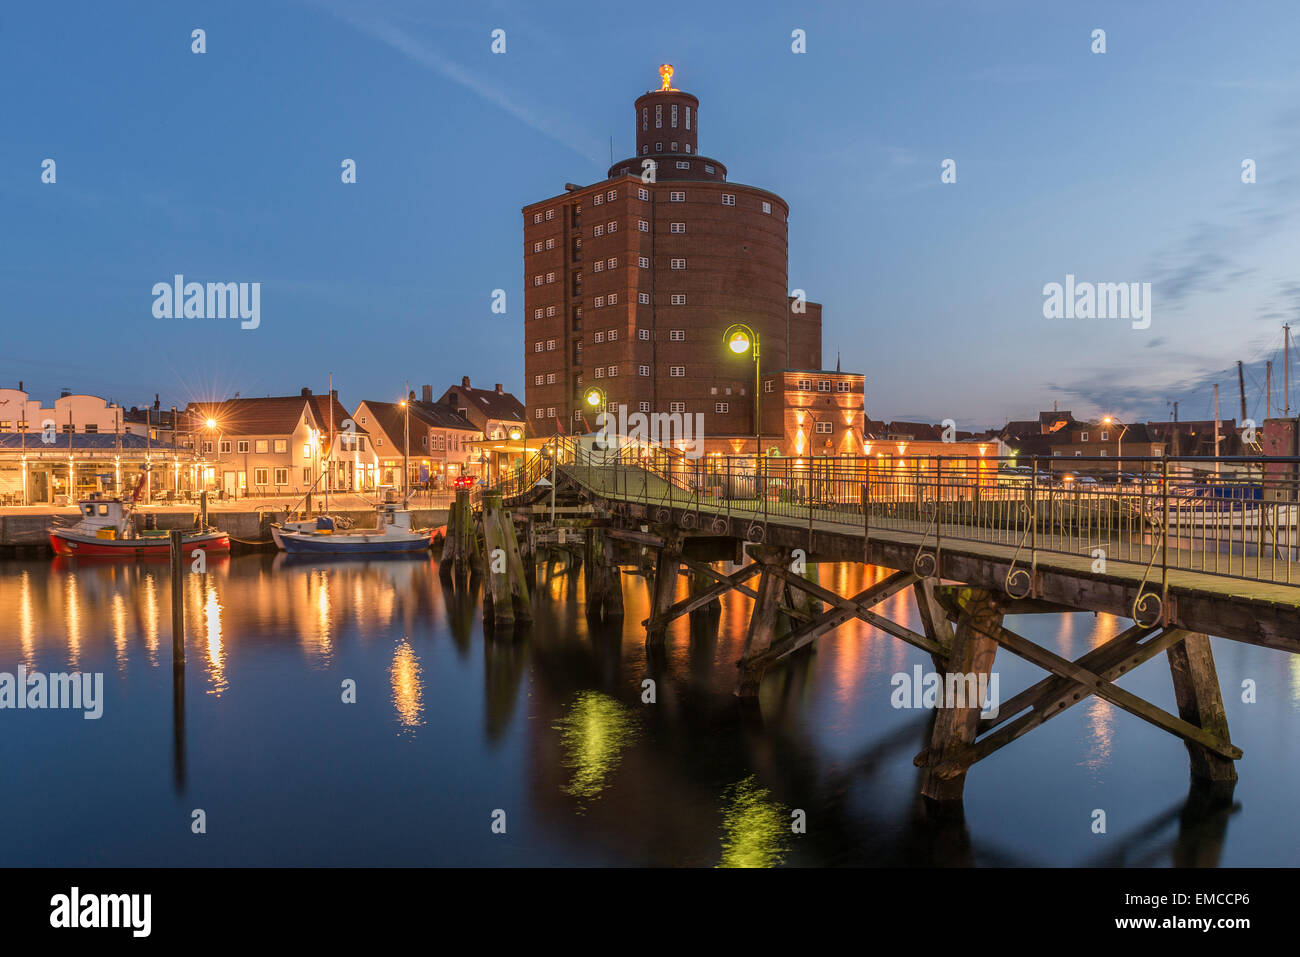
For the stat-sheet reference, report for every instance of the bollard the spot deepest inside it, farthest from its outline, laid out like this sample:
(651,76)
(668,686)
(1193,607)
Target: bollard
(177,537)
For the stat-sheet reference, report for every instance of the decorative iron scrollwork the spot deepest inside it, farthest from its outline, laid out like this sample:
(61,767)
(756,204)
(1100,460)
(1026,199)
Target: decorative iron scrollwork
(755,534)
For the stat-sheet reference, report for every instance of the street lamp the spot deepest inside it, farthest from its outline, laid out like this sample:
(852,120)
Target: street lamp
(741,339)
(1119,450)
(596,400)
(406,450)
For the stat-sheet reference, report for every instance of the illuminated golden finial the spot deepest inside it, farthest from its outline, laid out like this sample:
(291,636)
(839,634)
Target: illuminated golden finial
(666,71)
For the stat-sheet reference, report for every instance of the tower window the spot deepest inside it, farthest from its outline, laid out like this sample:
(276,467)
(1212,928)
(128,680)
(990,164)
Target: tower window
(659,116)
(688,117)
(674,116)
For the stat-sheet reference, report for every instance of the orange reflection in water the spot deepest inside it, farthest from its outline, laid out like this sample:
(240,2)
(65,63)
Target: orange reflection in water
(408,696)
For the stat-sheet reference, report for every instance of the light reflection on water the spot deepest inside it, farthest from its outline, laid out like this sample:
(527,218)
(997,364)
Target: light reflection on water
(552,726)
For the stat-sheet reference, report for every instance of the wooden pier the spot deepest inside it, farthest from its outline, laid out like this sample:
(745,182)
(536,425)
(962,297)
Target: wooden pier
(967,562)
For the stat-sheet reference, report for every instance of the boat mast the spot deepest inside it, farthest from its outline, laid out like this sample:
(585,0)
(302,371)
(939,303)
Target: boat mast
(329,479)
(1286,368)
(406,449)
(1268,389)
(1216,428)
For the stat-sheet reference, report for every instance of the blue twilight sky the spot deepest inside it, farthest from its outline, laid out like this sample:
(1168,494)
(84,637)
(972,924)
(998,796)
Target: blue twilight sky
(1115,167)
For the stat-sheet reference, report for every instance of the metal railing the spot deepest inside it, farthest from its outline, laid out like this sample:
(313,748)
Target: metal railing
(1234,517)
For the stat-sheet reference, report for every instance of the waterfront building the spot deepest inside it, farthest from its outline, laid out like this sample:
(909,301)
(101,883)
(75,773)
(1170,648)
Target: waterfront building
(494,412)
(631,284)
(440,440)
(278,445)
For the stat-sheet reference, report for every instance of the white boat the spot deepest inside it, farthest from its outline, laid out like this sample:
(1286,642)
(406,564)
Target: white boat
(392,533)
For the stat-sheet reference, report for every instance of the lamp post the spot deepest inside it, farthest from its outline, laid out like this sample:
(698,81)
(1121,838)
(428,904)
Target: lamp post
(1119,450)
(515,434)
(406,447)
(595,399)
(741,339)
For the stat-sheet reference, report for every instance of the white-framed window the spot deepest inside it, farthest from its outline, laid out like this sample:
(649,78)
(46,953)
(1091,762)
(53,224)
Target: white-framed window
(674,120)
(678,263)
(843,386)
(677,372)
(537,247)
(598,266)
(538,346)
(643,334)
(538,412)
(612,262)
(825,428)
(538,379)
(677,196)
(598,372)
(677,335)
(550,277)
(708,167)
(598,337)
(612,226)
(537,313)
(682,164)
(645,117)
(769,386)
(613,299)
(728,199)
(550,243)
(261,445)
(645,149)
(597,231)
(613,371)
(577,415)
(550,312)
(537,280)
(642,225)
(643,370)
(674,146)
(612,195)
(713,390)
(550,214)
(659,115)
(260,476)
(676,406)
(688,117)
(282,476)
(767,207)
(804,384)
(678,299)
(597,200)
(613,335)
(643,406)
(823,385)
(677,227)
(598,301)
(550,412)
(550,378)
(1083,437)
(643,194)
(1101,453)
(242,444)
(643,298)
(659,147)
(721,406)
(537,218)
(550,345)
(1105,436)
(643,262)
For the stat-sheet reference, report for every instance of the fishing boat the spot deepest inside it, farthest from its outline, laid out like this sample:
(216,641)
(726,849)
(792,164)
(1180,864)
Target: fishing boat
(105,528)
(392,533)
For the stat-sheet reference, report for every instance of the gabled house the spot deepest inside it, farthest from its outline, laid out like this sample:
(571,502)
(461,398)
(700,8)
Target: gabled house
(492,411)
(439,441)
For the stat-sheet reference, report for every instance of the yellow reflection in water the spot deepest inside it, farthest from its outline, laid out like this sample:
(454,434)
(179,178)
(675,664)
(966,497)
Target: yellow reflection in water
(119,629)
(754,827)
(26,620)
(151,617)
(216,654)
(323,605)
(1293,667)
(72,618)
(593,736)
(405,678)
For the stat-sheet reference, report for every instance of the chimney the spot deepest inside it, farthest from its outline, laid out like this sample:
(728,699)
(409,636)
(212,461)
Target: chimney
(426,392)
(500,391)
(20,385)
(464,382)
(305,392)
(156,403)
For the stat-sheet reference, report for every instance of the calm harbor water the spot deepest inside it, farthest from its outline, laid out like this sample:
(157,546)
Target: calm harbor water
(449,727)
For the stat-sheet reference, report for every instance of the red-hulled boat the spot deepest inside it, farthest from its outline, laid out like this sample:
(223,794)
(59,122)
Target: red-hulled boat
(105,529)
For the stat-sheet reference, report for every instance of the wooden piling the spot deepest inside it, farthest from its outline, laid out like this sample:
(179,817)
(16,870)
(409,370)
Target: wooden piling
(763,620)
(664,589)
(518,576)
(460,554)
(1200,702)
(497,598)
(604,581)
(700,583)
(177,539)
(957,720)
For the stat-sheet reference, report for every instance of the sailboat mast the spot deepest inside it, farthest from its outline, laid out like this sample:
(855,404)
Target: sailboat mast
(1286,368)
(1216,428)
(1268,389)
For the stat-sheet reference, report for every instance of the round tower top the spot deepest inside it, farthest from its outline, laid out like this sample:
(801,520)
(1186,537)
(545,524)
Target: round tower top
(667,119)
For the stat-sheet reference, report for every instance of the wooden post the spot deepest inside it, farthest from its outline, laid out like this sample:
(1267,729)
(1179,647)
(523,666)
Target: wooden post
(1200,702)
(518,577)
(664,589)
(934,619)
(763,621)
(603,579)
(497,596)
(957,721)
(177,539)
(701,583)
(460,554)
